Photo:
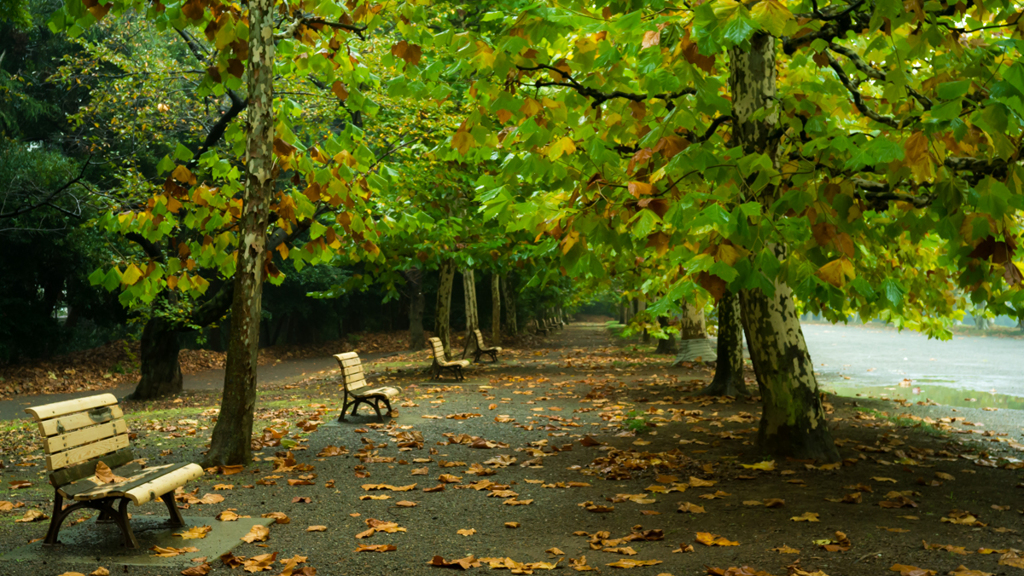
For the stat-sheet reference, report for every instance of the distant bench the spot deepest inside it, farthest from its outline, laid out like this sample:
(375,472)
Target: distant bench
(80,434)
(481,349)
(442,363)
(354,382)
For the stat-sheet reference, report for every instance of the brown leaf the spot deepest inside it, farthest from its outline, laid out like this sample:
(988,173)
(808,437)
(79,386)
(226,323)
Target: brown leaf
(257,533)
(33,516)
(905,570)
(806,517)
(466,532)
(376,548)
(462,563)
(630,563)
(709,539)
(512,524)
(316,529)
(105,475)
(200,570)
(170,552)
(690,508)
(100,571)
(279,517)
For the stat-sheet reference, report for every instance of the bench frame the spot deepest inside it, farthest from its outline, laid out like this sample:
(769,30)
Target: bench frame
(78,435)
(491,351)
(353,381)
(442,363)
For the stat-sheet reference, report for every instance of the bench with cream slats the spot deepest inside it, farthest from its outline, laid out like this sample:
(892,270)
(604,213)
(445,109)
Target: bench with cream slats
(442,363)
(354,382)
(482,349)
(80,434)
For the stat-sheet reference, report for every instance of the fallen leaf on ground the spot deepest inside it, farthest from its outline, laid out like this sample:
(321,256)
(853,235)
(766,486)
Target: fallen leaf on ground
(630,563)
(466,532)
(883,479)
(170,552)
(227,516)
(316,529)
(512,524)
(767,465)
(406,504)
(839,544)
(962,570)
(279,517)
(194,533)
(555,551)
(906,570)
(257,533)
(806,517)
(461,563)
(101,571)
(260,563)
(33,516)
(692,508)
(786,550)
(6,506)
(200,570)
(589,506)
(376,548)
(709,539)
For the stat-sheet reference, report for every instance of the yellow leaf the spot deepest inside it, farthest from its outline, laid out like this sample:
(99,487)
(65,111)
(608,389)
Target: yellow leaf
(836,272)
(465,532)
(131,275)
(183,175)
(772,16)
(462,141)
(806,517)
(530,107)
(766,465)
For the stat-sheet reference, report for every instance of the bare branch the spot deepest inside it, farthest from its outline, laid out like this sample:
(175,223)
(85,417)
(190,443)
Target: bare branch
(598,96)
(49,198)
(877,74)
(858,98)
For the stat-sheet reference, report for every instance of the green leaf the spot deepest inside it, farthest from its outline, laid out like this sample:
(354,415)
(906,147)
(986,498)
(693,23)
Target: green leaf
(953,90)
(893,292)
(182,153)
(165,164)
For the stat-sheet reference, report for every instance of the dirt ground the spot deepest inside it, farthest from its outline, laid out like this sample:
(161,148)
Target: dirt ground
(586,453)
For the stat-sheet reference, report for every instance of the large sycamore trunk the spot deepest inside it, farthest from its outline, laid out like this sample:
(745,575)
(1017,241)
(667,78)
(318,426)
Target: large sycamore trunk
(666,345)
(417,304)
(793,421)
(160,369)
(728,380)
(231,439)
(442,313)
(495,309)
(511,325)
(472,314)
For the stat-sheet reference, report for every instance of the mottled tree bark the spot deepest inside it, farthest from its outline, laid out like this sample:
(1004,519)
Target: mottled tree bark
(793,421)
(231,440)
(511,326)
(442,314)
(728,380)
(495,310)
(417,303)
(472,315)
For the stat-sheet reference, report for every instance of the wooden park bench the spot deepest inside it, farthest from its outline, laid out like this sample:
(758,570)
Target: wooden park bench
(539,327)
(357,391)
(442,363)
(79,435)
(481,349)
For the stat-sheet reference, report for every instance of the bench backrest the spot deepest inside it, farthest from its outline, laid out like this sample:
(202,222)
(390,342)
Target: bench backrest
(352,376)
(479,338)
(437,349)
(78,434)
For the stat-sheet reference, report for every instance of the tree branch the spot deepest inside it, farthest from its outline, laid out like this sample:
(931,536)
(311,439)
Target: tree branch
(598,96)
(878,194)
(858,98)
(877,74)
(47,201)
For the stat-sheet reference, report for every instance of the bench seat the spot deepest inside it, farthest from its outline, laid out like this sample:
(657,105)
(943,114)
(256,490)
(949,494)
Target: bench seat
(441,363)
(78,436)
(353,380)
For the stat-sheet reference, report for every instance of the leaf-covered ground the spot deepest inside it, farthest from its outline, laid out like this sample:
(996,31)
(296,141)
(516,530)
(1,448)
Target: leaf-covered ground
(582,455)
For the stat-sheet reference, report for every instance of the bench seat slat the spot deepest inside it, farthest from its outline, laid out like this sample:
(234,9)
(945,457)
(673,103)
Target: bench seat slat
(163,484)
(388,391)
(84,436)
(64,424)
(83,453)
(47,411)
(78,489)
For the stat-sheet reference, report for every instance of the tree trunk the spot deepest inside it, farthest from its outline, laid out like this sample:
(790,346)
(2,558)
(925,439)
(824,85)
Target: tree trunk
(472,316)
(231,442)
(416,306)
(694,345)
(442,313)
(666,345)
(161,372)
(728,380)
(642,307)
(793,421)
(495,310)
(511,327)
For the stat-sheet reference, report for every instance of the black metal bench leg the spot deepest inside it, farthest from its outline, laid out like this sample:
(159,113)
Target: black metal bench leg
(172,507)
(376,409)
(55,520)
(388,404)
(126,529)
